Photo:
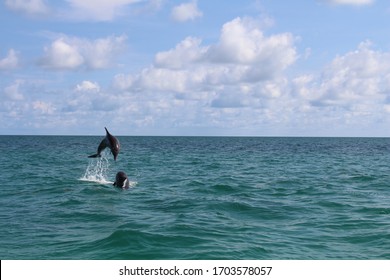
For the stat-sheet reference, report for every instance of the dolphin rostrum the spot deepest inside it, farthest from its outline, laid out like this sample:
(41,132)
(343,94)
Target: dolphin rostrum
(108,142)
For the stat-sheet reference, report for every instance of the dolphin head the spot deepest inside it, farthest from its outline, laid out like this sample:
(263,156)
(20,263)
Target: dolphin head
(121,180)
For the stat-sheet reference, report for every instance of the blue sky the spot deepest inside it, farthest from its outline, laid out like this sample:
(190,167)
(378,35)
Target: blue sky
(162,67)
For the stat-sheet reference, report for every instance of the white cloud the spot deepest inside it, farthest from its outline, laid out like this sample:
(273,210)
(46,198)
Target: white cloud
(103,10)
(13,92)
(186,11)
(243,54)
(350,2)
(44,108)
(30,7)
(351,95)
(186,52)
(243,42)
(101,52)
(11,61)
(68,53)
(124,82)
(88,86)
(62,55)
(358,77)
(231,83)
(88,96)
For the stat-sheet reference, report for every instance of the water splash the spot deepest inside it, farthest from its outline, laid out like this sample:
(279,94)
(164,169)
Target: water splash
(97,170)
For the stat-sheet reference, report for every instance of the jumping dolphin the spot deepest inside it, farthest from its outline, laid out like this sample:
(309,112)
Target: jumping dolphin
(110,142)
(121,180)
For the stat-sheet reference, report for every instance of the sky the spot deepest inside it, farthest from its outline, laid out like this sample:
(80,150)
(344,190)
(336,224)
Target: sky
(195,67)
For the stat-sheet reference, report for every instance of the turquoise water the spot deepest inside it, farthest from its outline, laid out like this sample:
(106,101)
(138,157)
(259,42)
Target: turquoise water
(195,198)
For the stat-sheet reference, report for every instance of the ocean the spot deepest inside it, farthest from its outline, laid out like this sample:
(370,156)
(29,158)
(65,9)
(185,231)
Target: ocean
(195,198)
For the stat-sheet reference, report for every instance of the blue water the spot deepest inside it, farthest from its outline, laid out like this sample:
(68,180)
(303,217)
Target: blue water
(195,198)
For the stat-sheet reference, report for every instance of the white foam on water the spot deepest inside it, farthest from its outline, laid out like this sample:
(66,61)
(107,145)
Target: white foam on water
(132,184)
(97,170)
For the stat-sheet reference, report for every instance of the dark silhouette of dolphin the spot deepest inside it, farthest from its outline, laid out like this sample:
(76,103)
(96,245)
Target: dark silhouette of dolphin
(121,180)
(110,142)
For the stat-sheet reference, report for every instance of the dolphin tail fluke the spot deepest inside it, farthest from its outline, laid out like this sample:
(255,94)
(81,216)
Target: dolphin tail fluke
(94,156)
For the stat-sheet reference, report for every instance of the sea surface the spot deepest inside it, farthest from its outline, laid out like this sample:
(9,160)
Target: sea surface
(195,198)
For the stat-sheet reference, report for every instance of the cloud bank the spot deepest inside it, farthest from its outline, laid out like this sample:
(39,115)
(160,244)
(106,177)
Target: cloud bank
(238,83)
(243,54)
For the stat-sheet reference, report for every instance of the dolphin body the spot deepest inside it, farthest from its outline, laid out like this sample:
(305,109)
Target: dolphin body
(121,180)
(108,142)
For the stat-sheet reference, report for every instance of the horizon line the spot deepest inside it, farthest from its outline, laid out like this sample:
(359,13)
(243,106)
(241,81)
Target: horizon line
(211,136)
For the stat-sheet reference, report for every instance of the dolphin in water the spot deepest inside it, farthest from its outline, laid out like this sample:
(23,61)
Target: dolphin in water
(121,180)
(110,142)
